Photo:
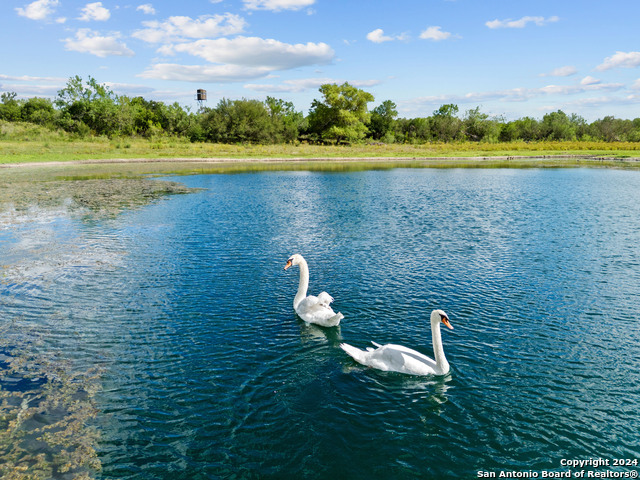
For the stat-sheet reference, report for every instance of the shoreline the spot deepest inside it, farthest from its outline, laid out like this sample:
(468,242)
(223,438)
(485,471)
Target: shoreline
(297,160)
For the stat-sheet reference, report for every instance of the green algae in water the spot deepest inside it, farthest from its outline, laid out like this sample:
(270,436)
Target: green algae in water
(46,408)
(47,405)
(108,196)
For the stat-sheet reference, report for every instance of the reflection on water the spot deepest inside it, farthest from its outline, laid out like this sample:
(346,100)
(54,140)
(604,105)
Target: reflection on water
(208,373)
(314,333)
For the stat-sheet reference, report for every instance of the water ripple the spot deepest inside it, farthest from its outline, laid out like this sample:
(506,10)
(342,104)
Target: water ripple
(210,374)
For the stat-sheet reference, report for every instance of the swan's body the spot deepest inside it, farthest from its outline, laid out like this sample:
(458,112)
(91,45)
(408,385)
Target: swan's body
(310,308)
(396,358)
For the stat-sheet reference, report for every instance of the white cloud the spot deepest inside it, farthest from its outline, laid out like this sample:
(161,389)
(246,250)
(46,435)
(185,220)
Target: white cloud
(277,5)
(636,85)
(289,86)
(239,59)
(378,36)
(26,91)
(588,80)
(515,94)
(521,23)
(258,52)
(605,100)
(300,85)
(147,9)
(94,11)
(434,33)
(179,28)
(29,78)
(620,59)
(565,71)
(38,10)
(128,88)
(89,41)
(204,73)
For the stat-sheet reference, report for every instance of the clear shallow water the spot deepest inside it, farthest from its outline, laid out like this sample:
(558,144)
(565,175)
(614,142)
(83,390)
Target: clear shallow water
(209,374)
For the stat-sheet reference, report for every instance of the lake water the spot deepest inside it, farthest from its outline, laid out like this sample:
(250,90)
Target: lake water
(208,373)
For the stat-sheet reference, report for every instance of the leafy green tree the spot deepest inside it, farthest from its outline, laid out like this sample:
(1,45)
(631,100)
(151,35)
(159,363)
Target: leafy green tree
(580,125)
(382,121)
(508,132)
(341,116)
(91,104)
(412,130)
(39,111)
(445,126)
(286,121)
(478,126)
(634,135)
(9,107)
(239,121)
(611,129)
(177,119)
(148,118)
(528,129)
(557,126)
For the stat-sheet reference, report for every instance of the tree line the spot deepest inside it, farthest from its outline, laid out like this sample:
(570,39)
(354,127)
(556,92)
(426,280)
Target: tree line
(340,116)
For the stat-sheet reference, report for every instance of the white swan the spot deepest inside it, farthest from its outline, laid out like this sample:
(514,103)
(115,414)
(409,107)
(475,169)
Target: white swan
(312,309)
(396,358)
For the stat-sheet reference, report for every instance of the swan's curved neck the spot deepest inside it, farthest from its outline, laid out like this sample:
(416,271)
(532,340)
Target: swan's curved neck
(303,286)
(438,350)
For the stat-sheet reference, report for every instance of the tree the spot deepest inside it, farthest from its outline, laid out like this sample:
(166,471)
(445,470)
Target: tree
(286,121)
(38,110)
(239,121)
(412,130)
(382,121)
(527,129)
(557,126)
(341,116)
(9,107)
(445,126)
(611,129)
(479,127)
(91,104)
(580,126)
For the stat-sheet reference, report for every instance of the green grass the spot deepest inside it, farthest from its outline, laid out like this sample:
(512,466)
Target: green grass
(26,143)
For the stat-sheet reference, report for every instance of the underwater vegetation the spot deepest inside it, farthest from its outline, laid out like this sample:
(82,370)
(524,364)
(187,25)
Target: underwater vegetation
(46,409)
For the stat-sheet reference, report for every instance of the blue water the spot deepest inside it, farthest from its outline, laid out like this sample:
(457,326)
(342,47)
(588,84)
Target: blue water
(210,374)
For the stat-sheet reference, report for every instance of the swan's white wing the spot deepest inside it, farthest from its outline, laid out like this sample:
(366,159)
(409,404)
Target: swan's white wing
(325,299)
(312,310)
(397,358)
(308,304)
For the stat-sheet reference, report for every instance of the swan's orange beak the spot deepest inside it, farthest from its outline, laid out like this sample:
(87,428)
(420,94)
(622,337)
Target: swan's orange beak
(288,264)
(445,320)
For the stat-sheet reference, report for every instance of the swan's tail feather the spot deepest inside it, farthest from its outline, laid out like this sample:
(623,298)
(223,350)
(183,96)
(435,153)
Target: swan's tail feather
(376,344)
(335,320)
(357,354)
(325,299)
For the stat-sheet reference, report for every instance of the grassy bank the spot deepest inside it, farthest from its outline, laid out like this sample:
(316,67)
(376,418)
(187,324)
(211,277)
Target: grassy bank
(26,143)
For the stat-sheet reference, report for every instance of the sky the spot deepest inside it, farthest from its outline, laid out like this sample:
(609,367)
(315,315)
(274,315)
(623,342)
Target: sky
(511,58)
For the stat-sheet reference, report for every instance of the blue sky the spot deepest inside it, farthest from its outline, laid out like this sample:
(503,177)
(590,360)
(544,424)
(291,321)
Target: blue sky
(510,58)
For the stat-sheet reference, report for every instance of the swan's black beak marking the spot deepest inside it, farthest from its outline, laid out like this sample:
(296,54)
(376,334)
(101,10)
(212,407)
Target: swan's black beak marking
(288,264)
(445,320)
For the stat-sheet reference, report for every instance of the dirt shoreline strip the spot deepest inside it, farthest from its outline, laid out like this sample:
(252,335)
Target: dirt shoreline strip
(227,160)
